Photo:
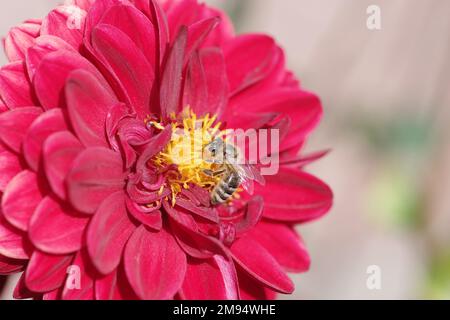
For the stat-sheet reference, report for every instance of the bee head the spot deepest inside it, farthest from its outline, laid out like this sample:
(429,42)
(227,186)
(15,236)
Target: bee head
(215,151)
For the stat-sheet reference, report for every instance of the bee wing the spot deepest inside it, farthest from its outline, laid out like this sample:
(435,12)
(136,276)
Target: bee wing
(246,174)
(257,176)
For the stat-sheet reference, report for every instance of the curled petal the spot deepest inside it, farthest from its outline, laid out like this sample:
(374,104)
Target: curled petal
(57,229)
(188,236)
(150,217)
(108,233)
(253,214)
(209,214)
(96,174)
(154,146)
(155,265)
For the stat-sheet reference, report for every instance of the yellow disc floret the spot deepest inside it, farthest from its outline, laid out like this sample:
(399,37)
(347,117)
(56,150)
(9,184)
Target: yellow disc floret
(190,135)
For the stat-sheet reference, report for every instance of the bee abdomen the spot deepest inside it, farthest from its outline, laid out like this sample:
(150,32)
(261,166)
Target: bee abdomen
(225,189)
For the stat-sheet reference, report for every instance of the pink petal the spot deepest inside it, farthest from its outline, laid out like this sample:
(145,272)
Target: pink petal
(15,88)
(257,262)
(10,266)
(43,46)
(283,244)
(45,272)
(127,64)
(108,233)
(303,109)
(198,32)
(21,197)
(83,4)
(59,152)
(20,38)
(188,236)
(14,125)
(21,292)
(128,19)
(53,295)
(216,79)
(96,13)
(155,265)
(253,214)
(172,76)
(249,59)
(57,229)
(159,20)
(196,87)
(303,160)
(114,287)
(239,119)
(180,14)
(51,76)
(96,174)
(67,23)
(106,288)
(46,124)
(88,103)
(12,242)
(213,279)
(153,147)
(9,167)
(252,289)
(295,196)
(222,33)
(209,214)
(150,218)
(87,275)
(206,86)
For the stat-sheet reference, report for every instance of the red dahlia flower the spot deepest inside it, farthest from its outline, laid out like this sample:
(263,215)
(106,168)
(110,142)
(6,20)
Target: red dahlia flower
(93,204)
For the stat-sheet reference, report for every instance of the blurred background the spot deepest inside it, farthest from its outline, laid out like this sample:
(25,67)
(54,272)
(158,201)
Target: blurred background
(387,106)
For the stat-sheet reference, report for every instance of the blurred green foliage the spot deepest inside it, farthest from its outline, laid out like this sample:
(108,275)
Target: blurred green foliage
(438,285)
(399,145)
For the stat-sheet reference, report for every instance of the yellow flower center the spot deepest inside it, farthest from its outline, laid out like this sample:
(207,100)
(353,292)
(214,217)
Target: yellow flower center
(190,136)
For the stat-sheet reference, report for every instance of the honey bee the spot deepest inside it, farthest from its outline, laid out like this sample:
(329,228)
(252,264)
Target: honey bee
(233,175)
